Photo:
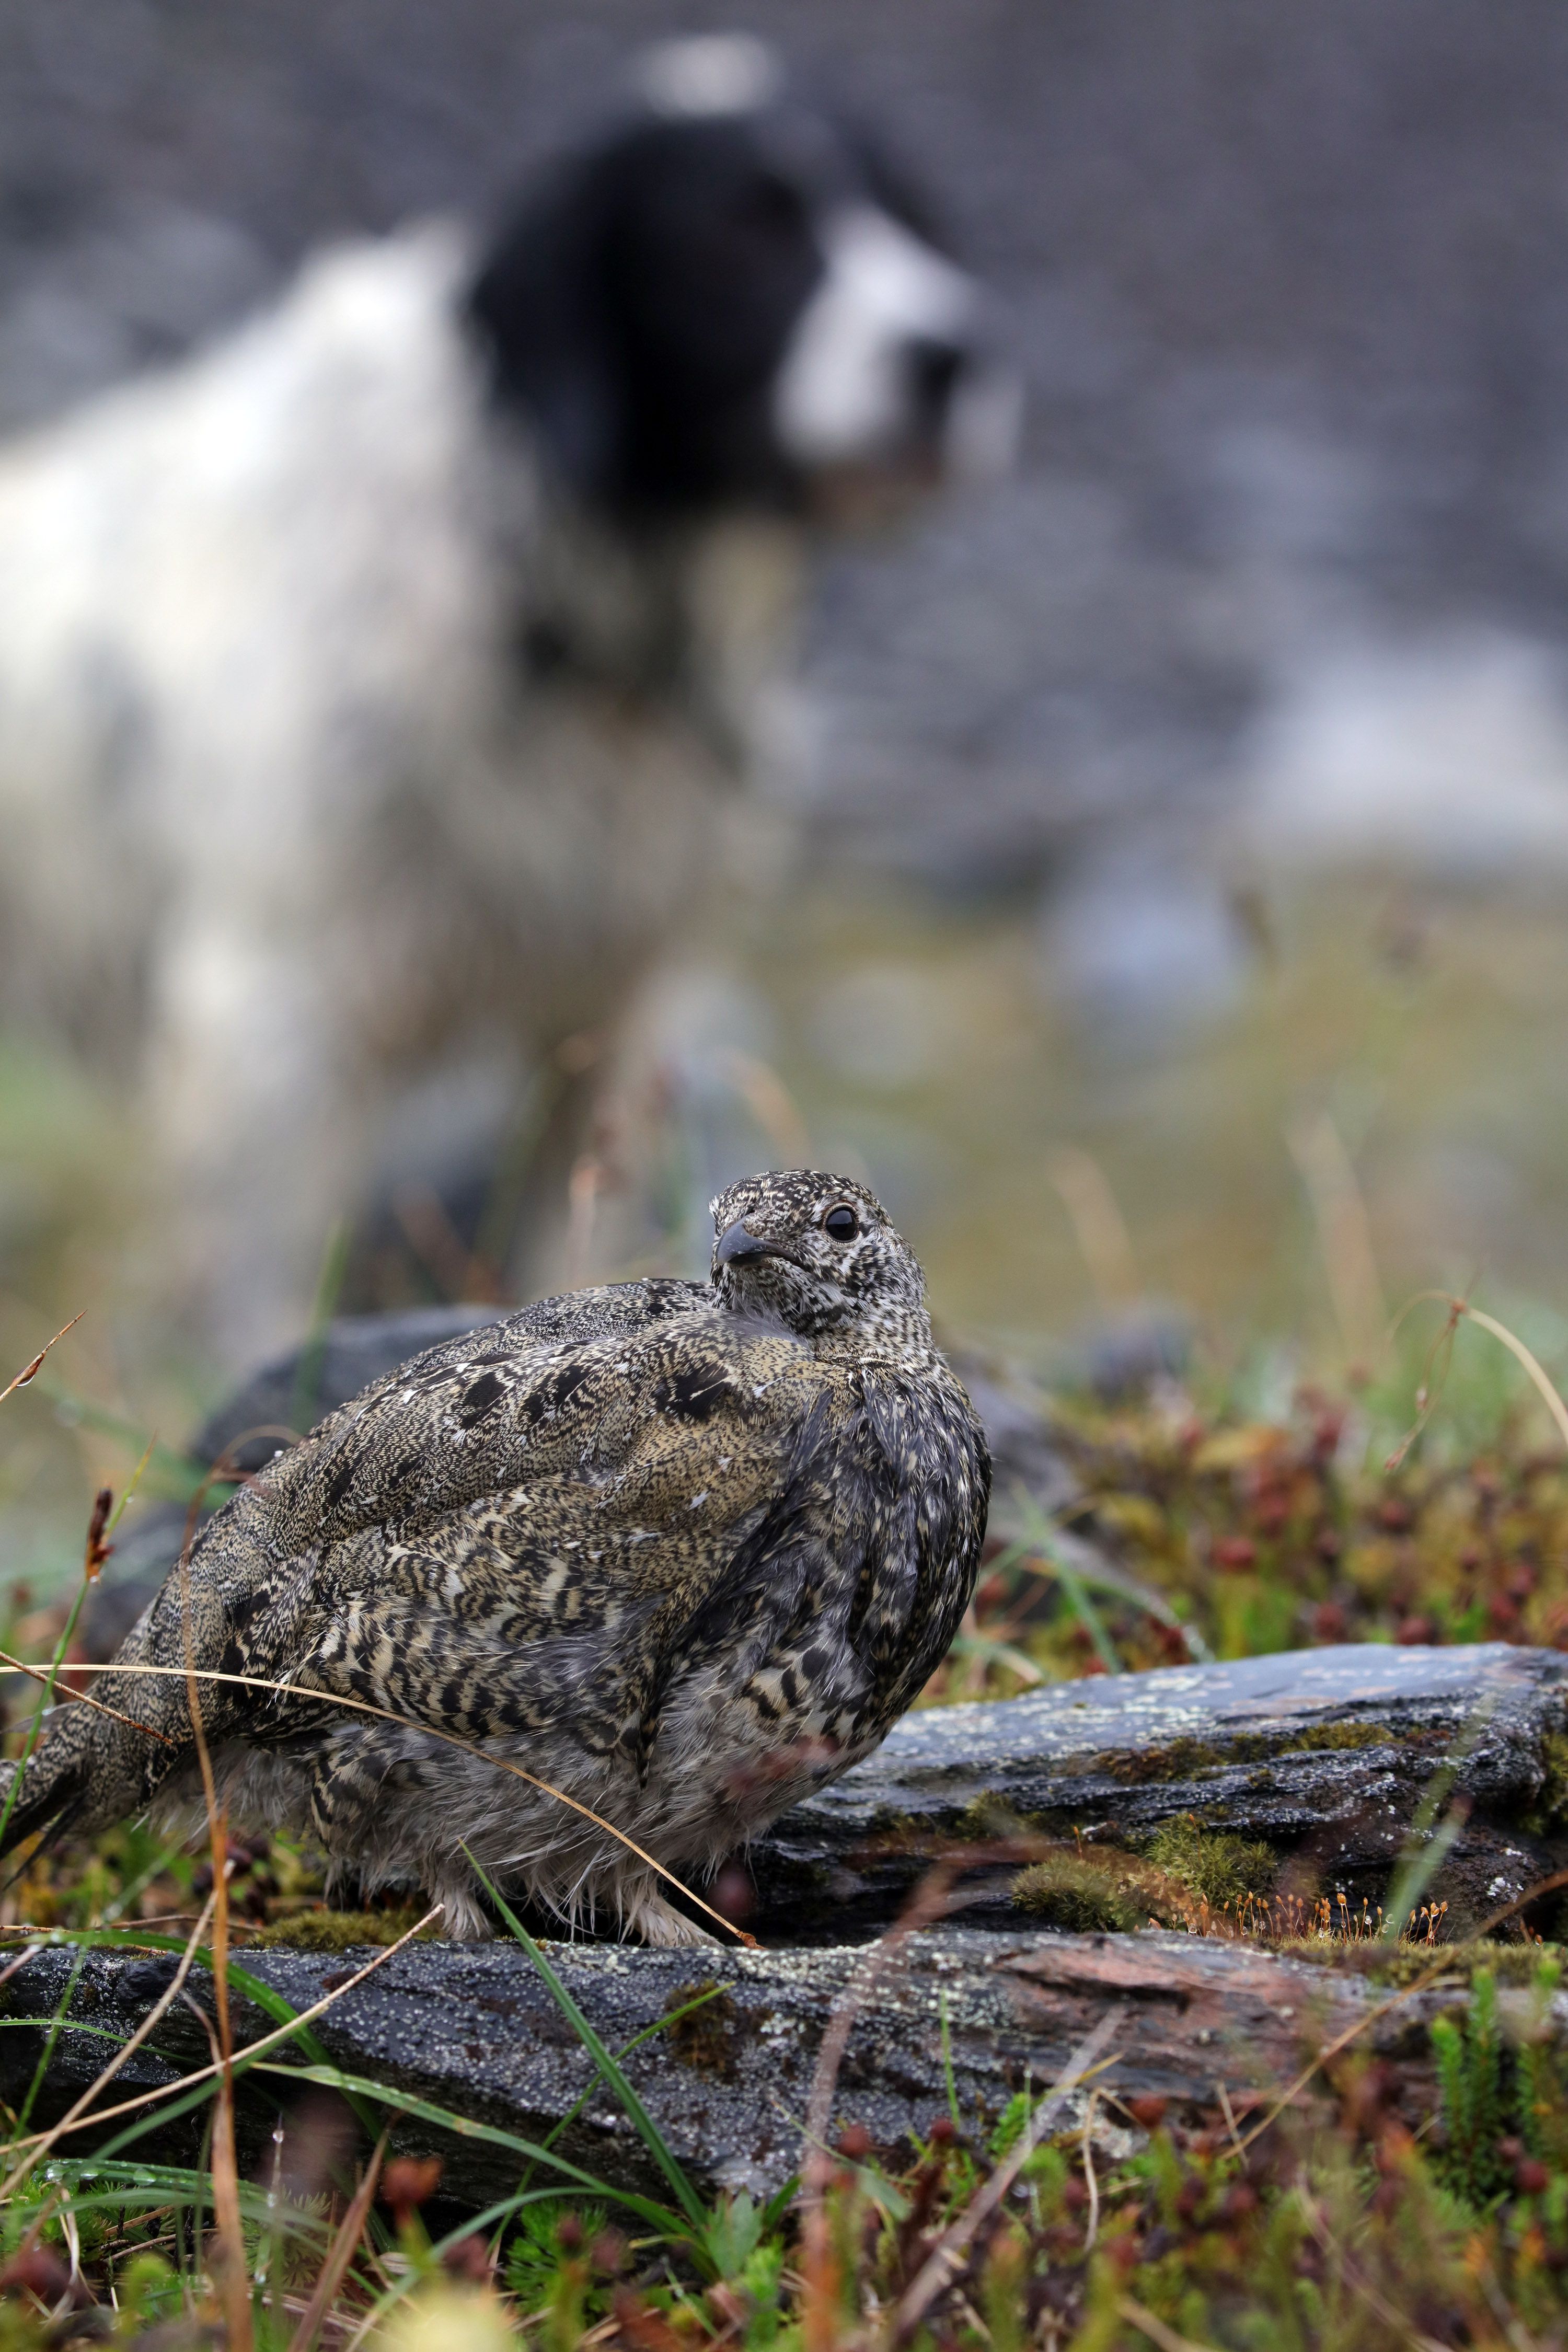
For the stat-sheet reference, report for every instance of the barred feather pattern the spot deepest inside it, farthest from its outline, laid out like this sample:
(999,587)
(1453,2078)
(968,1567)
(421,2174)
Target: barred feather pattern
(685,1552)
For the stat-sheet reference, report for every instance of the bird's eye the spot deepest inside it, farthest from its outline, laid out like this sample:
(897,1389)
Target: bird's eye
(841,1223)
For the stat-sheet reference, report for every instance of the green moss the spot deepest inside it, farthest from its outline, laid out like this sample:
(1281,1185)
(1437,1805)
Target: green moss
(706,2039)
(989,1815)
(1089,1890)
(337,1931)
(885,1822)
(1258,1747)
(1173,1762)
(1180,1757)
(1551,1804)
(1345,1735)
(1215,1864)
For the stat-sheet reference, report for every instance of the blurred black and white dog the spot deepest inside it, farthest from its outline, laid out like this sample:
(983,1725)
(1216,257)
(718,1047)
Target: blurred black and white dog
(371,686)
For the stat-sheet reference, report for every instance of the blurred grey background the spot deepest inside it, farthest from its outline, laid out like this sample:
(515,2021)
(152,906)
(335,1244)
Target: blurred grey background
(1195,803)
(1290,290)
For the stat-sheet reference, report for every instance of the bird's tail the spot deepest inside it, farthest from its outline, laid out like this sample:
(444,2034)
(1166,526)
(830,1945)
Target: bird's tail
(46,1790)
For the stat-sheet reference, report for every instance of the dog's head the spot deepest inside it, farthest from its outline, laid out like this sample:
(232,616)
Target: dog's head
(728,300)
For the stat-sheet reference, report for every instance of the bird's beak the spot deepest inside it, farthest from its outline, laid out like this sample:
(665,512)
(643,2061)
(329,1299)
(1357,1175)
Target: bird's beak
(738,1247)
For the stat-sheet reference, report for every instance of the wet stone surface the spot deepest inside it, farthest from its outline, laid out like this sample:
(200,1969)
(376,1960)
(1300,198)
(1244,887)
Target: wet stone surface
(1325,1754)
(472,2030)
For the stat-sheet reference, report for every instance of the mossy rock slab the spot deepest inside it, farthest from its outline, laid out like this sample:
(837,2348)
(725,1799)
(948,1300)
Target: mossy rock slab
(1325,1756)
(473,2031)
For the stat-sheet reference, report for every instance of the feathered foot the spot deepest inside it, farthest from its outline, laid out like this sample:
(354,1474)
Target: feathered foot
(661,1924)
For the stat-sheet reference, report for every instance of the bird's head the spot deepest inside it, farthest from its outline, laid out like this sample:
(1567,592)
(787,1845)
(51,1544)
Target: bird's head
(817,1254)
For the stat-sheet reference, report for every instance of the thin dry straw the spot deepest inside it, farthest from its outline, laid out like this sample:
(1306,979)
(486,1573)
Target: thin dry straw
(1516,1347)
(387,1715)
(1149,2324)
(252,2049)
(164,2002)
(81,1698)
(30,1372)
(942,2266)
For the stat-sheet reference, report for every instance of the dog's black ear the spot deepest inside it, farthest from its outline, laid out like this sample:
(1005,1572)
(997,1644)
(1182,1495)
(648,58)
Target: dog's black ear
(537,309)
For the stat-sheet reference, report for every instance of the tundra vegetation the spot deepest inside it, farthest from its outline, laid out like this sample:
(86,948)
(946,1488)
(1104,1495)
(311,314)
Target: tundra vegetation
(1308,2215)
(1241,1508)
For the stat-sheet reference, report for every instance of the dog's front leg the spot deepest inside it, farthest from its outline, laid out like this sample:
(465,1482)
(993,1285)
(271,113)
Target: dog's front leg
(257,1111)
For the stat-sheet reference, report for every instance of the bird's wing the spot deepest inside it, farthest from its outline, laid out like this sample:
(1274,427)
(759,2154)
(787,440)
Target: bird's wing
(566,1516)
(252,1570)
(606,1310)
(504,1533)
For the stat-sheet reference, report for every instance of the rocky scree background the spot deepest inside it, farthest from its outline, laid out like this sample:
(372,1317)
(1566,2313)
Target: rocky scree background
(1289,288)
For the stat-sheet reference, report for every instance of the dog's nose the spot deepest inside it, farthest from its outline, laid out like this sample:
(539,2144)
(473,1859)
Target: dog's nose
(935,365)
(963,403)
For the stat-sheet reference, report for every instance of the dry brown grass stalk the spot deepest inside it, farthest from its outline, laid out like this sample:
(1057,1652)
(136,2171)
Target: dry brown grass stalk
(1460,1309)
(451,1738)
(160,2008)
(83,1698)
(942,2262)
(254,2049)
(30,1372)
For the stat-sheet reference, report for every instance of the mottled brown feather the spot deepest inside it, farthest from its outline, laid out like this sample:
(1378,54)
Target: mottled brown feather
(685,1551)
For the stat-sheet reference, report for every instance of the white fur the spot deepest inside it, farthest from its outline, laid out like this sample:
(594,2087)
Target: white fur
(843,392)
(708,74)
(285,824)
(290,832)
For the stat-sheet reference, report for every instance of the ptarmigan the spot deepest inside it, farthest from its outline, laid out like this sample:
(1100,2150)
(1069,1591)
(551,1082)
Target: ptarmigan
(685,1552)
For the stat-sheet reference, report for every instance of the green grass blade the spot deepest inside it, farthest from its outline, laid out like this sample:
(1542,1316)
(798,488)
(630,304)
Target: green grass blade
(648,2130)
(660,2026)
(149,2187)
(131,1939)
(72,2026)
(1042,1536)
(947,2074)
(1426,1847)
(661,2218)
(45,1700)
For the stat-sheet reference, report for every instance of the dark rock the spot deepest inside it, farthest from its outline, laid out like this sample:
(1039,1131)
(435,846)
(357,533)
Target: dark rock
(291,1393)
(474,2030)
(1326,1754)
